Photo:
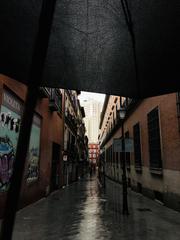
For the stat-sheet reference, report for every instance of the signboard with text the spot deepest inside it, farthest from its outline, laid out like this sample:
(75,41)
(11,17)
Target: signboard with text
(117,145)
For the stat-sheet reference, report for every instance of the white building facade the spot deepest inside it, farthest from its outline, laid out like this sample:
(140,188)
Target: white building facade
(92,111)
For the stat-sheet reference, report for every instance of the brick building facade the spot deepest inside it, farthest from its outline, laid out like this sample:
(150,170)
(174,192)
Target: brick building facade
(44,168)
(153,167)
(75,142)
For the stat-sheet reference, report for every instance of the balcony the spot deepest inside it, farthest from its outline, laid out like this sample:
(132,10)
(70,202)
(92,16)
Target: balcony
(72,100)
(71,121)
(55,100)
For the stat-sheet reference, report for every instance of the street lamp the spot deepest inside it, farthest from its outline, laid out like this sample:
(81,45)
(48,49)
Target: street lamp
(103,161)
(122,114)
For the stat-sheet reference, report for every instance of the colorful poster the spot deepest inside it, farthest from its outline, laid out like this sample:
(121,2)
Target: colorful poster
(34,150)
(10,117)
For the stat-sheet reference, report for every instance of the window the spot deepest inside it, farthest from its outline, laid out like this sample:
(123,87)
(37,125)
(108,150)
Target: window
(113,124)
(137,145)
(154,139)
(116,115)
(115,100)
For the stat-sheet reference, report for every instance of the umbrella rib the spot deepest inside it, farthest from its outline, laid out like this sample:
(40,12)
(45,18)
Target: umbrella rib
(35,79)
(129,23)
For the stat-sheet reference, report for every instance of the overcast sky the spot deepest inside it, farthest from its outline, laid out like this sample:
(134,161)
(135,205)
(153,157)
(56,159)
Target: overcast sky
(87,95)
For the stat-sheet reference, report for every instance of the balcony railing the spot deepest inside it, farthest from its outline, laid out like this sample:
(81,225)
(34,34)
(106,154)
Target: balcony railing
(44,92)
(55,100)
(71,121)
(55,97)
(72,100)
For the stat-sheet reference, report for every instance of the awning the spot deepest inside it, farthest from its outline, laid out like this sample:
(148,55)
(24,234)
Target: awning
(120,47)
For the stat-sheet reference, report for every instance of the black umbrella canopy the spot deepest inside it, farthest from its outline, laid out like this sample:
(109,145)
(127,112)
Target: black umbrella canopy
(120,47)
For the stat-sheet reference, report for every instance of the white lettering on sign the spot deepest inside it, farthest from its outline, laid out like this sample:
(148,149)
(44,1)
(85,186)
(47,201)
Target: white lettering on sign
(11,102)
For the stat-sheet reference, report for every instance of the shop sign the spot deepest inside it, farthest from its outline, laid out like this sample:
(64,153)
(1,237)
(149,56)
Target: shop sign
(117,145)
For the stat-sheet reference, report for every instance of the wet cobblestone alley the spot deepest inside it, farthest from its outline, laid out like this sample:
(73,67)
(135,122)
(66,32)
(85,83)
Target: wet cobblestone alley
(82,212)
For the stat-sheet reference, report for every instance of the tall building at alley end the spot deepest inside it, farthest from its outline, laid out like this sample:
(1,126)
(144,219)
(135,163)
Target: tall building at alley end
(92,109)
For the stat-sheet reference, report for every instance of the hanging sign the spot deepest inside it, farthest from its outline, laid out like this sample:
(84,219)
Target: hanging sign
(129,145)
(117,145)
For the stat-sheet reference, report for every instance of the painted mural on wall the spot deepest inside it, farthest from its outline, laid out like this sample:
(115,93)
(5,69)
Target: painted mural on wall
(10,117)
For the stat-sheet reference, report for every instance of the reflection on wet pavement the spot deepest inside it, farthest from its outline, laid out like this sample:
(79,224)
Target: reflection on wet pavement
(82,212)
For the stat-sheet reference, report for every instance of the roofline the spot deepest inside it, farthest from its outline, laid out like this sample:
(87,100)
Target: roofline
(104,110)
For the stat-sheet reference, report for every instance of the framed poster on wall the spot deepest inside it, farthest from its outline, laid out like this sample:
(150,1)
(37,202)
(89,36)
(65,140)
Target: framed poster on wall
(33,155)
(10,118)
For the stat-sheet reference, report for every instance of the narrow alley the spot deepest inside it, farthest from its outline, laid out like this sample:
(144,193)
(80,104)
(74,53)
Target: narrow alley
(89,120)
(82,211)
